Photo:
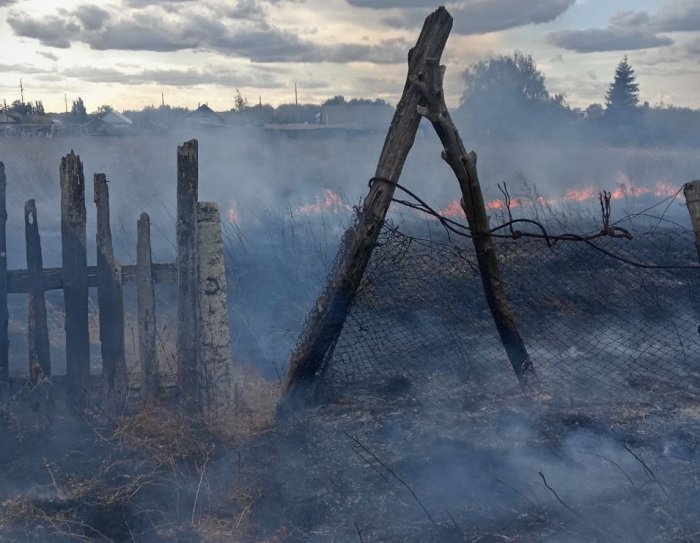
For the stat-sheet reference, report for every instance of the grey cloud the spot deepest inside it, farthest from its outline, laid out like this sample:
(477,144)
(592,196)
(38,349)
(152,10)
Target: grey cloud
(680,15)
(610,39)
(49,55)
(51,31)
(210,75)
(4,3)
(629,19)
(247,10)
(91,17)
(149,31)
(481,16)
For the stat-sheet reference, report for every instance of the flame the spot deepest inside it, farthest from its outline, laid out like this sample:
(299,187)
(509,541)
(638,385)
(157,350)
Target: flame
(453,210)
(664,189)
(580,194)
(329,201)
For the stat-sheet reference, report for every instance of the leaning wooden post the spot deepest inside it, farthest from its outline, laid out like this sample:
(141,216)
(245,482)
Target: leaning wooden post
(463,164)
(110,300)
(146,301)
(691,191)
(4,312)
(75,276)
(214,375)
(37,328)
(325,322)
(187,306)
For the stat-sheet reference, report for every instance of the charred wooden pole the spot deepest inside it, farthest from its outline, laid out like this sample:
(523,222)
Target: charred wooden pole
(4,311)
(429,84)
(146,301)
(37,328)
(75,276)
(214,369)
(691,191)
(187,304)
(330,310)
(110,299)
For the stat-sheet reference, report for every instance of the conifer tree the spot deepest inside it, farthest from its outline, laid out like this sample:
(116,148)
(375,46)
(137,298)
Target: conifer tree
(623,93)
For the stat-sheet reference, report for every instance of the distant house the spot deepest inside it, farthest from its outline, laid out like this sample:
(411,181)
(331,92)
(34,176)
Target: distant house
(369,117)
(204,116)
(111,123)
(7,118)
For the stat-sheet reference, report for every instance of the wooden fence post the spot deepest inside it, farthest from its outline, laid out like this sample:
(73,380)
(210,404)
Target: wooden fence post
(146,302)
(110,299)
(187,306)
(75,277)
(37,328)
(463,164)
(691,191)
(4,312)
(325,322)
(214,371)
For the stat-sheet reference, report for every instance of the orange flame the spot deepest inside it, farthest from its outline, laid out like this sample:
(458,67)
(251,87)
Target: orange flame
(330,201)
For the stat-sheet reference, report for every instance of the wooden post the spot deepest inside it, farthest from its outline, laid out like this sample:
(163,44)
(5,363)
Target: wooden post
(463,164)
(37,328)
(187,306)
(214,371)
(146,302)
(4,312)
(691,191)
(110,299)
(75,276)
(327,317)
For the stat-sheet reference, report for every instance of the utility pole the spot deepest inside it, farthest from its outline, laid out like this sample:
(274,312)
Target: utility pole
(65,100)
(296,95)
(162,99)
(21,90)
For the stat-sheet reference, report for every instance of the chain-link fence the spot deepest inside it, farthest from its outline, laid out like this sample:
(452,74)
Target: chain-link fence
(593,323)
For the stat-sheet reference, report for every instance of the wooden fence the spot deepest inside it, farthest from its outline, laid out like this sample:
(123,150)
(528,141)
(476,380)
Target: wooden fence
(203,337)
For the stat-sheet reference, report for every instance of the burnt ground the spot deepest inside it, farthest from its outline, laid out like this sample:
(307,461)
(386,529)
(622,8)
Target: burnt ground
(390,462)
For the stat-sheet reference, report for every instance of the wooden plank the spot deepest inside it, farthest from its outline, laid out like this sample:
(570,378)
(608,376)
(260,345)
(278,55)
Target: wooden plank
(75,276)
(17,283)
(463,164)
(146,301)
(4,311)
(327,317)
(37,328)
(187,305)
(214,369)
(691,191)
(110,299)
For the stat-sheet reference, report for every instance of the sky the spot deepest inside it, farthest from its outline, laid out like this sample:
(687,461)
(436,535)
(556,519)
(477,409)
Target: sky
(134,53)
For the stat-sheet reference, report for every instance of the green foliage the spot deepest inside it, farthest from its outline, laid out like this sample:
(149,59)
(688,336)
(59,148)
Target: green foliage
(78,113)
(103,109)
(506,95)
(240,103)
(623,94)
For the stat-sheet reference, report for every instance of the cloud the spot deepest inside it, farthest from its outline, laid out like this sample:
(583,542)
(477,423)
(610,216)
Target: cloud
(48,54)
(630,30)
(4,3)
(149,30)
(678,16)
(474,16)
(92,17)
(609,39)
(51,31)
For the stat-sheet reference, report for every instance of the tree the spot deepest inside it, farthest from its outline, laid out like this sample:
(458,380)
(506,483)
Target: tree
(623,94)
(240,103)
(103,110)
(506,94)
(78,113)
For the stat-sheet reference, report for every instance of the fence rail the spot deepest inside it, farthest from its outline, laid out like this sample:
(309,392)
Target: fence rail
(75,278)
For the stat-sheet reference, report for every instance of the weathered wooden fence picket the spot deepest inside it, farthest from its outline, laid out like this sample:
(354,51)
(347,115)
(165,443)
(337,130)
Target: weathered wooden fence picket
(198,272)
